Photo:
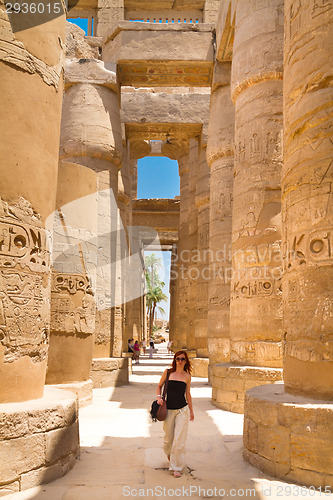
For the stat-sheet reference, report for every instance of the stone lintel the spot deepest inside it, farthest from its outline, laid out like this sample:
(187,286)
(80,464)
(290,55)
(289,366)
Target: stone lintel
(162,131)
(161,55)
(91,71)
(123,26)
(163,4)
(162,107)
(160,214)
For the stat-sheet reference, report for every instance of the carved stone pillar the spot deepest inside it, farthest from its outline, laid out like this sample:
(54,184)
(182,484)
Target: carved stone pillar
(31,88)
(256,304)
(91,136)
(220,157)
(302,408)
(192,271)
(73,280)
(183,253)
(174,296)
(202,205)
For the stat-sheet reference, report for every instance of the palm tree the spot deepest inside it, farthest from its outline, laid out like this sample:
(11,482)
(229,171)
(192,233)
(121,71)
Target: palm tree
(152,264)
(153,297)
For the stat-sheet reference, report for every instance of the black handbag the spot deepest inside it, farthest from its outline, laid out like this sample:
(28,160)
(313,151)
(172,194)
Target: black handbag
(159,412)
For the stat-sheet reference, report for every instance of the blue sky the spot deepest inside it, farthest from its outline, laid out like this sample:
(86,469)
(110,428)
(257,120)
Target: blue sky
(159,178)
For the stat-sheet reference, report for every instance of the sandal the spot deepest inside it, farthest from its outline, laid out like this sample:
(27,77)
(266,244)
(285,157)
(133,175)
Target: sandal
(176,473)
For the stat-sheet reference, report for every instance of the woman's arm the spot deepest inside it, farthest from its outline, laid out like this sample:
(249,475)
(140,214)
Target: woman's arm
(159,387)
(189,397)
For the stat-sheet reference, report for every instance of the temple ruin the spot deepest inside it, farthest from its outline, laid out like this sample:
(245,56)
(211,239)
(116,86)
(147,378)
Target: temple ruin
(239,92)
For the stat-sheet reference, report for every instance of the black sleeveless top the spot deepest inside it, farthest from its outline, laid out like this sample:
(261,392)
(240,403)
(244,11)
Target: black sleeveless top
(176,395)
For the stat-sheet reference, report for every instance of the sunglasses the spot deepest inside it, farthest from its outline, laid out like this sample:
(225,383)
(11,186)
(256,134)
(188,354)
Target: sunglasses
(180,359)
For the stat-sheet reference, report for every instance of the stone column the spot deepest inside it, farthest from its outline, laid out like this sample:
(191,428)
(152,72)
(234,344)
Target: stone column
(174,296)
(192,270)
(301,410)
(183,255)
(256,305)
(91,136)
(73,281)
(202,204)
(220,157)
(31,89)
(32,418)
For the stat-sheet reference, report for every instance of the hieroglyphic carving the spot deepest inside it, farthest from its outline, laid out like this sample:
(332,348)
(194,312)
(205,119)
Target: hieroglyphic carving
(256,288)
(320,7)
(259,145)
(24,282)
(72,304)
(308,248)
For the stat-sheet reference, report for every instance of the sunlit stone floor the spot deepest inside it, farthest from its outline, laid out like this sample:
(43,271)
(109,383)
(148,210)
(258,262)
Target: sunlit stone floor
(122,457)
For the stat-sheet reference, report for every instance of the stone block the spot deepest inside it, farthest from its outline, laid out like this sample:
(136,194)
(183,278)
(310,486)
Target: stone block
(46,419)
(260,462)
(307,420)
(250,435)
(109,372)
(21,455)
(237,407)
(9,488)
(200,367)
(233,384)
(41,476)
(311,453)
(70,412)
(274,444)
(13,425)
(61,442)
(223,406)
(260,411)
(306,477)
(226,396)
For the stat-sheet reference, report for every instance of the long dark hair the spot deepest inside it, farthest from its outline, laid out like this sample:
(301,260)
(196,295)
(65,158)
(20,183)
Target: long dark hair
(187,367)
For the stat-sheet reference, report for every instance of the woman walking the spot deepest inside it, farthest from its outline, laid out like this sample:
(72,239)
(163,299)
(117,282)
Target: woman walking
(180,410)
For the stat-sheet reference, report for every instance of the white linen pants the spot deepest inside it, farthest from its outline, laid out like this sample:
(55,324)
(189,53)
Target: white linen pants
(175,433)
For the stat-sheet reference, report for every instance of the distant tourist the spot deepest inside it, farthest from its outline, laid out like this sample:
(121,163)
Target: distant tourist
(170,346)
(151,348)
(136,354)
(131,346)
(144,346)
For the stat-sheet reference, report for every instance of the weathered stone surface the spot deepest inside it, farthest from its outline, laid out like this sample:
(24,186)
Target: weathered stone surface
(200,367)
(108,372)
(83,391)
(91,71)
(76,45)
(60,443)
(158,107)
(21,455)
(281,434)
(307,281)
